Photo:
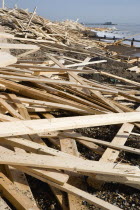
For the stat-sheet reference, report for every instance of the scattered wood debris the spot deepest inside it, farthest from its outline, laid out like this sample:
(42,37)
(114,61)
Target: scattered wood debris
(42,104)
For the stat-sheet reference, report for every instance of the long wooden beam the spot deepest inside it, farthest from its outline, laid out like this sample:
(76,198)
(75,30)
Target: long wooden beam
(65,123)
(79,137)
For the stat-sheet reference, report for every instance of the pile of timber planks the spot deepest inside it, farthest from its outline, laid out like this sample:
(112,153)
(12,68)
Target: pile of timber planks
(23,24)
(33,93)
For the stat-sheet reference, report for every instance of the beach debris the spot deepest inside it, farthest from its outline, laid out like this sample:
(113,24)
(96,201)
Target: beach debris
(46,104)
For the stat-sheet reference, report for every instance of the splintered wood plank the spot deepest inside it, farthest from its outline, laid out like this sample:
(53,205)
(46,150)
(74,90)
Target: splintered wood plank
(65,123)
(11,192)
(6,59)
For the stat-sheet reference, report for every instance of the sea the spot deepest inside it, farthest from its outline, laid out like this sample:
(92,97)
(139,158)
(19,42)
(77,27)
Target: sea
(122,30)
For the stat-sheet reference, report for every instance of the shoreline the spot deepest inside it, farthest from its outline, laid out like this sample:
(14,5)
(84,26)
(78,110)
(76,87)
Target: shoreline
(112,33)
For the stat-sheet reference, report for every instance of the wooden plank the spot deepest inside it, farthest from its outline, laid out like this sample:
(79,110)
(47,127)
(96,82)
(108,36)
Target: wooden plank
(128,96)
(80,165)
(60,196)
(18,46)
(33,147)
(107,144)
(41,68)
(120,78)
(6,59)
(52,175)
(90,145)
(27,53)
(7,118)
(85,63)
(65,123)
(10,109)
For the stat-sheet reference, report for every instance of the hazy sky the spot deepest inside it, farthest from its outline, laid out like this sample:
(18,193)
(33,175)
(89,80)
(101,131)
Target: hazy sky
(117,11)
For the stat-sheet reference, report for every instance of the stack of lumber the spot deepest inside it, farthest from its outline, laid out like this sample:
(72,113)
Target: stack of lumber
(43,103)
